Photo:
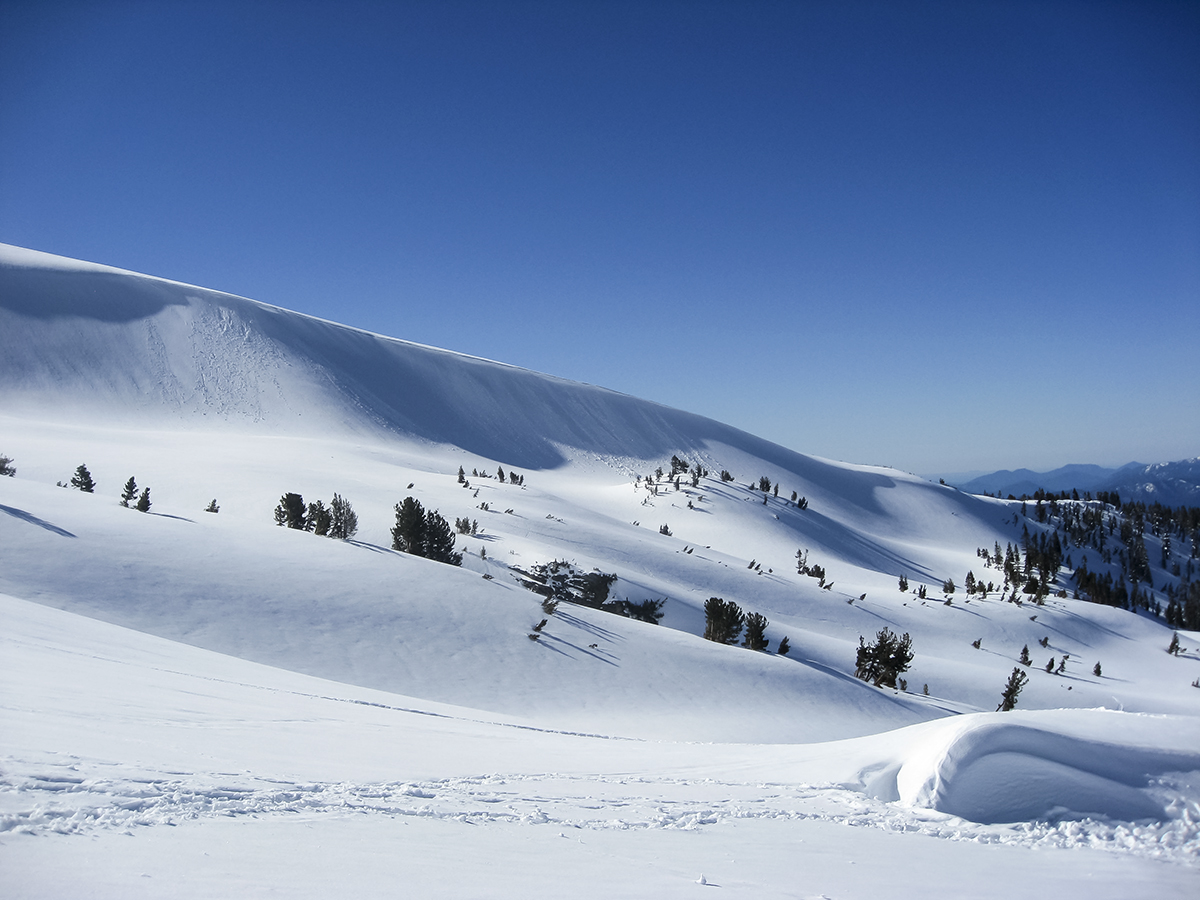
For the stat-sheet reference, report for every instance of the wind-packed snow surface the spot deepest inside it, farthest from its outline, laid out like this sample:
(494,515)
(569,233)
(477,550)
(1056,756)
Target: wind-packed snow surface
(317,715)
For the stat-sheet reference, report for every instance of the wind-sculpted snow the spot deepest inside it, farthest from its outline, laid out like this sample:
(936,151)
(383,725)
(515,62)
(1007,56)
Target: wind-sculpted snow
(989,769)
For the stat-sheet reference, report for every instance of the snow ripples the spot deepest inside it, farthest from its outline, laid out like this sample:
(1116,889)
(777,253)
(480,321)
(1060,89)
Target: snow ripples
(69,802)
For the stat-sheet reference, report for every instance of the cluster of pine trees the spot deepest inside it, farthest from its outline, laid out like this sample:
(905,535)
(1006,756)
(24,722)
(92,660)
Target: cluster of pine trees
(724,621)
(423,533)
(338,520)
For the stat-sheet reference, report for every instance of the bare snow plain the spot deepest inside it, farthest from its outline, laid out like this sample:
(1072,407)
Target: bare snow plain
(198,705)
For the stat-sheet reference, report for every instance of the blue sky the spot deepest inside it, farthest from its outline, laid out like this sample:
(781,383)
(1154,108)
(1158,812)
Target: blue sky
(940,236)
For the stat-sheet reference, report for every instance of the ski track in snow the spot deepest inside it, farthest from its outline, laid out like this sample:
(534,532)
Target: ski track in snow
(82,797)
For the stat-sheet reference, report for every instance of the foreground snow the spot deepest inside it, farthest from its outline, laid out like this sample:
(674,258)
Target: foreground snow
(279,782)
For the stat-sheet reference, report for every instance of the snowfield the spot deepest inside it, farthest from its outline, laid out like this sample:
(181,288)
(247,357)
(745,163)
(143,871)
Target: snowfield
(196,705)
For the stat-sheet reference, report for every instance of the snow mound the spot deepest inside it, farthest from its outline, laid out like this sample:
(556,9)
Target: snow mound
(991,768)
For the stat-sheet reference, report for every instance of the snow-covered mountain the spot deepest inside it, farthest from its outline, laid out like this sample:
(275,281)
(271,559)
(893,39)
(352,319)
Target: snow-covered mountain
(1170,483)
(337,679)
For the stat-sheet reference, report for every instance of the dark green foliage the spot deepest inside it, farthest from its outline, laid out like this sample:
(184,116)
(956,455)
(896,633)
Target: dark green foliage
(677,465)
(1025,660)
(212,507)
(462,476)
(903,583)
(1097,671)
(1012,689)
(723,620)
(764,484)
(784,647)
(802,503)
(561,581)
(948,586)
(921,594)
(644,610)
(1050,665)
(756,626)
(1174,647)
(882,662)
(6,466)
(408,534)
(129,492)
(143,504)
(423,534)
(290,511)
(343,521)
(665,529)
(82,480)
(317,519)
(725,476)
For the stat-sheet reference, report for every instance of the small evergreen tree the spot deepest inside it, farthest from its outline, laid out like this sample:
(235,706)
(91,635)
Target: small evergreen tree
(212,507)
(343,521)
(903,584)
(756,626)
(129,492)
(408,534)
(1174,647)
(882,662)
(6,466)
(1025,660)
(290,511)
(143,504)
(462,476)
(318,519)
(1012,690)
(948,586)
(665,529)
(725,476)
(439,540)
(82,480)
(1096,670)
(784,647)
(723,620)
(1050,665)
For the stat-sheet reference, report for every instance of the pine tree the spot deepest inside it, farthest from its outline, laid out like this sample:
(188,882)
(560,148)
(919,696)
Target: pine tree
(1096,670)
(1012,690)
(462,476)
(1174,647)
(439,540)
(408,534)
(129,492)
(882,662)
(82,480)
(212,507)
(318,519)
(756,626)
(1025,660)
(723,620)
(290,511)
(343,522)
(143,504)
(6,466)
(784,647)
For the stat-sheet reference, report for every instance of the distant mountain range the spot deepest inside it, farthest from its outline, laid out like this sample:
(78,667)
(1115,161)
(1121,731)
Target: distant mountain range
(1169,483)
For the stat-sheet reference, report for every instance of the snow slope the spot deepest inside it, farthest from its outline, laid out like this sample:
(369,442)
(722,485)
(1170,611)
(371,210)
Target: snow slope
(183,667)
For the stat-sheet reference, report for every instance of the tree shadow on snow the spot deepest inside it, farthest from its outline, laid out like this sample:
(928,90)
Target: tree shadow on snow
(588,652)
(34,520)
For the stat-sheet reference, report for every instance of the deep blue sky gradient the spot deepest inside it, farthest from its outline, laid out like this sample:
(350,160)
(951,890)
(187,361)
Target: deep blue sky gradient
(941,236)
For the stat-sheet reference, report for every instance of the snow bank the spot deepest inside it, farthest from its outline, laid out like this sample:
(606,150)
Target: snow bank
(1005,768)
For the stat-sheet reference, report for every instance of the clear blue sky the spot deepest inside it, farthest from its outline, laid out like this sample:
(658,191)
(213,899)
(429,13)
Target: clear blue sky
(942,236)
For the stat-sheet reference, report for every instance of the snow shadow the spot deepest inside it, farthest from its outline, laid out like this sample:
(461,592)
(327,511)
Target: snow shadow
(104,296)
(34,520)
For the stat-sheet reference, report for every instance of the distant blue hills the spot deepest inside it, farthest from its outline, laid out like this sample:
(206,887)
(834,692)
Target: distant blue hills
(1169,483)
